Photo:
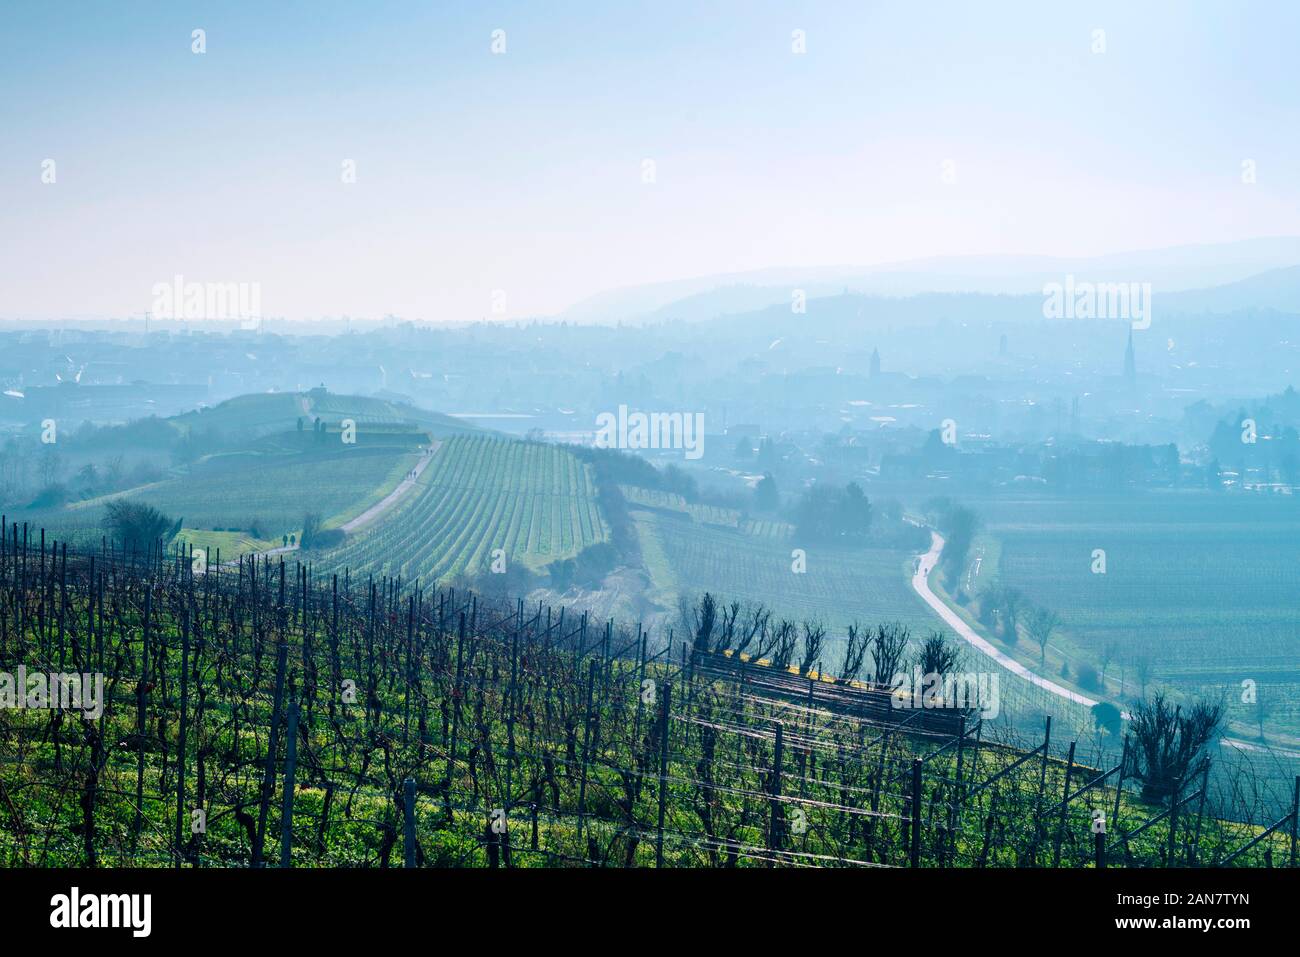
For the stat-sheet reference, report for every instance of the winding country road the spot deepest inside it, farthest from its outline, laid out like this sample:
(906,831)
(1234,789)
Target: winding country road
(392,498)
(374,511)
(921,585)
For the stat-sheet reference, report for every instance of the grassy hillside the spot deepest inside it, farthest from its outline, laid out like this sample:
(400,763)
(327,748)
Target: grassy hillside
(251,466)
(263,491)
(267,413)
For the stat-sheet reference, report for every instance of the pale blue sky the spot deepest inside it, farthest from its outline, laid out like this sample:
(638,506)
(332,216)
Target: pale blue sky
(522,172)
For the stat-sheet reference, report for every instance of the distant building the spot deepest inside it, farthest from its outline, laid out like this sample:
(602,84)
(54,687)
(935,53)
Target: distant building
(875,363)
(1130,363)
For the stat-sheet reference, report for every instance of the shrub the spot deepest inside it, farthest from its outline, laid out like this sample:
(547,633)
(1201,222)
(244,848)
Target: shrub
(1106,717)
(136,525)
(51,496)
(314,536)
(1088,678)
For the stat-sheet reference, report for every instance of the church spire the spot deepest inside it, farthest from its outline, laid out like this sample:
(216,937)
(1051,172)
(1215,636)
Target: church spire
(1130,364)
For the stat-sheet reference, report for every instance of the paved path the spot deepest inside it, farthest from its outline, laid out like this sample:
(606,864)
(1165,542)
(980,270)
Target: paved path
(921,584)
(374,511)
(393,497)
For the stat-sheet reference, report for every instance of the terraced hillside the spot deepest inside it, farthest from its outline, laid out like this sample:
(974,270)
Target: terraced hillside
(479,494)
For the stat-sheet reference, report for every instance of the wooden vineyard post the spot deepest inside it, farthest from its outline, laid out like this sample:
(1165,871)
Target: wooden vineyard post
(410,675)
(286,808)
(63,598)
(1195,843)
(408,830)
(1099,849)
(1042,785)
(916,813)
(141,720)
(663,772)
(586,744)
(1173,822)
(775,821)
(456,698)
(1065,809)
(805,752)
(640,680)
(273,746)
(180,743)
(954,816)
(1119,784)
(510,711)
(1295,819)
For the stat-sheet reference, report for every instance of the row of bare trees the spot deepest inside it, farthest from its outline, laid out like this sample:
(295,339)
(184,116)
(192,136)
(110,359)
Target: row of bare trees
(1170,743)
(874,654)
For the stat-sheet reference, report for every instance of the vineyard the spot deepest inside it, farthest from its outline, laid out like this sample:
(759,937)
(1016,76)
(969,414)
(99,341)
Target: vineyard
(266,714)
(1204,588)
(838,583)
(536,503)
(705,514)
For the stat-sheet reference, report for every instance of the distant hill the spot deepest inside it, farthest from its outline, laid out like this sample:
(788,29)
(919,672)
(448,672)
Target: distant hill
(1277,289)
(268,413)
(251,466)
(1170,270)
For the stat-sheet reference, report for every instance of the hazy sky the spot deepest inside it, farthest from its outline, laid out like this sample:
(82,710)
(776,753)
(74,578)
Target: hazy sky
(523,172)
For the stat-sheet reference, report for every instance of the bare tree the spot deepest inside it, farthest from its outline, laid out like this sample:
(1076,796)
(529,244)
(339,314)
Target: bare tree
(705,619)
(114,471)
(888,645)
(938,655)
(1013,604)
(814,634)
(855,651)
(786,637)
(727,633)
(1170,745)
(1263,710)
(1107,655)
(753,627)
(1041,623)
(1144,665)
(50,465)
(990,602)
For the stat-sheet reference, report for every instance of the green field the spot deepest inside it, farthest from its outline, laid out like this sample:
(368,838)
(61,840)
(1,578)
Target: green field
(537,502)
(1205,586)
